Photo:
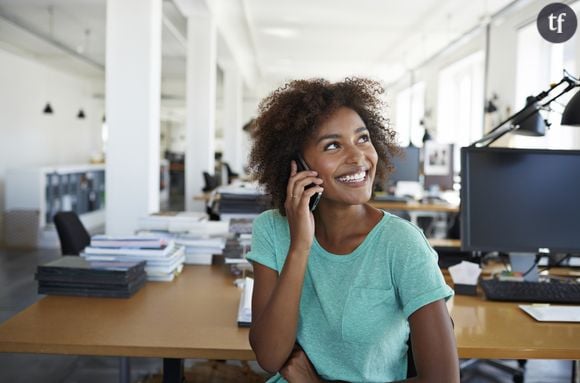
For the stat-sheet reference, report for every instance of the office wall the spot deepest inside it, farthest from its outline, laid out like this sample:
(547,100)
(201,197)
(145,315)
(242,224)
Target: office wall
(29,138)
(429,73)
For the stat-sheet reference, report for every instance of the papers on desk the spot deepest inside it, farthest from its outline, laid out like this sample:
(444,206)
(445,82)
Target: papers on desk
(245,307)
(465,273)
(549,313)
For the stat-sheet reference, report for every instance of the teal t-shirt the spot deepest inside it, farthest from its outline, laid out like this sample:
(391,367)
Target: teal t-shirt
(354,308)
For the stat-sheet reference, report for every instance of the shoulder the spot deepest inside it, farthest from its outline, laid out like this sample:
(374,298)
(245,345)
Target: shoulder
(402,238)
(270,220)
(400,229)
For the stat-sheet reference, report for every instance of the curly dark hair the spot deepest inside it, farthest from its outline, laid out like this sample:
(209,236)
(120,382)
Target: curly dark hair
(291,114)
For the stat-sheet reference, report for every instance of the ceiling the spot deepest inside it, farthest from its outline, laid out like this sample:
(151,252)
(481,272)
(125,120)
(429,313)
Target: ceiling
(270,40)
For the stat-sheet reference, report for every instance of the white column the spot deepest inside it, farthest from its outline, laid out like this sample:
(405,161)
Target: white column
(233,132)
(200,104)
(133,80)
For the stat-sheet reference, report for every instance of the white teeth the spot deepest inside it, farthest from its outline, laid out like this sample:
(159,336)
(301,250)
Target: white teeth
(353,177)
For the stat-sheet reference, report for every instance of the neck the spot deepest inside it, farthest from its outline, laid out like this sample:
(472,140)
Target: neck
(338,223)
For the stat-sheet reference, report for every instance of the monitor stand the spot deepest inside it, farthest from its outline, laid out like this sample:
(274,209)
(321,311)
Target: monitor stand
(522,262)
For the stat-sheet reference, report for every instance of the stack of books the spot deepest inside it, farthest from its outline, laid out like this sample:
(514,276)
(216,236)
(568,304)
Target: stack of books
(72,275)
(163,223)
(241,225)
(163,258)
(199,250)
(201,239)
(243,200)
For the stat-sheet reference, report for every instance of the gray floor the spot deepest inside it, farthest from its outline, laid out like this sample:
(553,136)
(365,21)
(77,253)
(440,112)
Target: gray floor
(18,290)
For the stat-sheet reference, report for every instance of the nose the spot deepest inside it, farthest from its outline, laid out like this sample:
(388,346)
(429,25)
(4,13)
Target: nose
(354,155)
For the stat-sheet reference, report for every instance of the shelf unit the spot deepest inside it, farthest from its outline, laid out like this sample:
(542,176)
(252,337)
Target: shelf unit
(48,190)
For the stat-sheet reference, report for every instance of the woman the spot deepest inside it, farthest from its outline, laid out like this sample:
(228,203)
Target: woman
(339,290)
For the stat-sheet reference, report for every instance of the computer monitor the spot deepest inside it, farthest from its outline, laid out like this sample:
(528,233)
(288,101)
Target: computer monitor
(520,200)
(407,166)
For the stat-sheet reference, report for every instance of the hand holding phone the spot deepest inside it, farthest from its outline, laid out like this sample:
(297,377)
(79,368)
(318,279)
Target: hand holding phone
(302,166)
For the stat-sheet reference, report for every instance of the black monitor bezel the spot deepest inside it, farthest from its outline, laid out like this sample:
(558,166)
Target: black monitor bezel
(466,243)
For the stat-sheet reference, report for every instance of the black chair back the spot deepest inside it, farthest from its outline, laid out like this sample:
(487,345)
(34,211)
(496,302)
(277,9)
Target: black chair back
(210,182)
(71,232)
(231,173)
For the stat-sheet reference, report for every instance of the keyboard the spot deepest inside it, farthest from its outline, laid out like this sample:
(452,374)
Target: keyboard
(540,292)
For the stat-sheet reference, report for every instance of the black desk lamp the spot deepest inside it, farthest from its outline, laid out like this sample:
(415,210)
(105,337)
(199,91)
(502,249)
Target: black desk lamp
(528,120)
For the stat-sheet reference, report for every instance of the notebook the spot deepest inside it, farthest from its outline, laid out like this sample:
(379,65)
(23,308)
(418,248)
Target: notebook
(549,313)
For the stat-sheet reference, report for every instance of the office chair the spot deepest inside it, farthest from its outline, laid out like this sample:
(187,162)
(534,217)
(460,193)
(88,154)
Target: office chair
(231,173)
(517,373)
(71,232)
(210,182)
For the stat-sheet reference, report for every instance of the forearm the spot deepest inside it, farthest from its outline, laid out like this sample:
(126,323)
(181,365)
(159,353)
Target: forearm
(273,333)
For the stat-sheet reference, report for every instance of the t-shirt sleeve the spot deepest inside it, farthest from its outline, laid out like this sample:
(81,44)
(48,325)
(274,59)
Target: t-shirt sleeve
(263,248)
(417,276)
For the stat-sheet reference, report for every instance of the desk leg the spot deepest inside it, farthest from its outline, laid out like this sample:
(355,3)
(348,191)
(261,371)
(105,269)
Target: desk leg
(172,370)
(124,370)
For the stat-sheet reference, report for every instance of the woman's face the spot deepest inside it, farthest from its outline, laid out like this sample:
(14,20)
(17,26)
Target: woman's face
(342,153)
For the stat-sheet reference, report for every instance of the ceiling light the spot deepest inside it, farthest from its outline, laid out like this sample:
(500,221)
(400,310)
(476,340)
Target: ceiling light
(285,33)
(47,109)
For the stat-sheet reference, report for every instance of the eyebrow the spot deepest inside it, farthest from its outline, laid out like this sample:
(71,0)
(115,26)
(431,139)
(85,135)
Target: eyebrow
(335,136)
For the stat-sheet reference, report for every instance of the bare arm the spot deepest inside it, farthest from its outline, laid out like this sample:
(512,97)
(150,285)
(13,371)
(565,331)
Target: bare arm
(276,298)
(433,344)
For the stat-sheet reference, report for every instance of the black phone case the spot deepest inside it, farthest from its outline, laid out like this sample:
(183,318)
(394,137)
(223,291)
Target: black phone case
(302,166)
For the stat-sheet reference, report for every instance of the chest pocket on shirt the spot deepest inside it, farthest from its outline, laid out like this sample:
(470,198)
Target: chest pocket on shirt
(367,313)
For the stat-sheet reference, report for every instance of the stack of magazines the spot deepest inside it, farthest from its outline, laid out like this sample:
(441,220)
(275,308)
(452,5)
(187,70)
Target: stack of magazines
(72,275)
(243,200)
(163,258)
(201,239)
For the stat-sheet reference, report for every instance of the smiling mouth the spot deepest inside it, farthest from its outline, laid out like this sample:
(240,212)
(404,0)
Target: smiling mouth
(353,178)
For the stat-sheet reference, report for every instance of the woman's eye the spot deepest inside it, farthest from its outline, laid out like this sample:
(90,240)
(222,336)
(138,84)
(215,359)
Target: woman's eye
(364,138)
(331,146)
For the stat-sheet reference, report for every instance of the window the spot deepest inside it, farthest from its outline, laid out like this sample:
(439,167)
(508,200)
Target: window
(410,106)
(540,63)
(460,103)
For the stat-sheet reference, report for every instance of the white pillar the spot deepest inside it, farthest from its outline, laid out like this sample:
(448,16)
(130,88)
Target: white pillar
(200,104)
(133,81)
(233,132)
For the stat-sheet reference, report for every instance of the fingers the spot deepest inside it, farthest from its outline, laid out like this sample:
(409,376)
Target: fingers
(295,190)
(293,168)
(294,361)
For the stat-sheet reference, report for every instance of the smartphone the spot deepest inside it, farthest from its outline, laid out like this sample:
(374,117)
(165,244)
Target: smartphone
(302,166)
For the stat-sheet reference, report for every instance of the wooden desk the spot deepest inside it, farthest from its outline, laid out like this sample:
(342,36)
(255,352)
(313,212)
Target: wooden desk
(195,317)
(445,243)
(501,330)
(205,197)
(192,317)
(415,206)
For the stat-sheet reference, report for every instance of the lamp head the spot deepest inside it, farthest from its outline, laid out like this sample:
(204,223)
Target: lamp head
(571,115)
(531,122)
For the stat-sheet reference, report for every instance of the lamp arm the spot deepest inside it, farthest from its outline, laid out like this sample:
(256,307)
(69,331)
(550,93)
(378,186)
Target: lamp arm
(494,135)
